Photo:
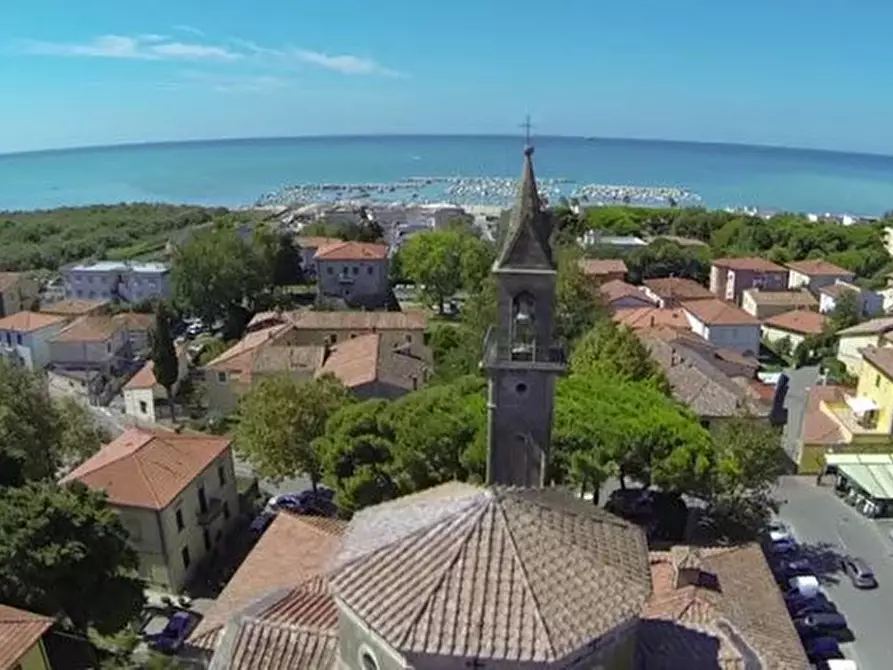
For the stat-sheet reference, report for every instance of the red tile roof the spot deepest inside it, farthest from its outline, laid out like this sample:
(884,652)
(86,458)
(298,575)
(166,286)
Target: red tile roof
(617,289)
(677,288)
(352,251)
(818,427)
(89,329)
(595,267)
(148,469)
(27,322)
(651,317)
(749,263)
(819,268)
(799,321)
(719,313)
(144,379)
(74,307)
(19,631)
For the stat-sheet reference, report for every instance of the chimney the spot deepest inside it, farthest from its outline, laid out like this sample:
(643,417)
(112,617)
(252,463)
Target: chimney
(687,566)
(652,320)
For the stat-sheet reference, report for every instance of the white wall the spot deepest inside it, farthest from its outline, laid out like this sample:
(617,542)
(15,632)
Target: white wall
(848,350)
(871,303)
(743,338)
(140,403)
(775,334)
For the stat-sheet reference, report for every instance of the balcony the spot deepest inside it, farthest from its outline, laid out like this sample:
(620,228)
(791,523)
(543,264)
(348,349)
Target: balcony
(345,279)
(499,353)
(214,509)
(857,416)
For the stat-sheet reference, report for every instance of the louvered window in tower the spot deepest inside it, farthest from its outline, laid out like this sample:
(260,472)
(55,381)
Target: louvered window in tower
(523,342)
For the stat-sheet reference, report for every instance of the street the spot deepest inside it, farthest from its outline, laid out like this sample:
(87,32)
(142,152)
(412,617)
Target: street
(827,528)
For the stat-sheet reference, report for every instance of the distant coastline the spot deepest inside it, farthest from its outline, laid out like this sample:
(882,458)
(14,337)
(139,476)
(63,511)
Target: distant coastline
(237,172)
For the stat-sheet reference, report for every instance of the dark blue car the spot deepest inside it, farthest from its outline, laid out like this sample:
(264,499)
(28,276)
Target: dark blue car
(821,649)
(171,638)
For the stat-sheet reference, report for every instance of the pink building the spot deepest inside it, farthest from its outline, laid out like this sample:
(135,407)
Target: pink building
(730,277)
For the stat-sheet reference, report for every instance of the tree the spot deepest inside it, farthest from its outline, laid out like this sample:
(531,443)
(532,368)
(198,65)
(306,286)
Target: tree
(577,307)
(79,436)
(279,421)
(64,552)
(475,262)
(164,354)
(847,311)
(433,260)
(287,269)
(612,350)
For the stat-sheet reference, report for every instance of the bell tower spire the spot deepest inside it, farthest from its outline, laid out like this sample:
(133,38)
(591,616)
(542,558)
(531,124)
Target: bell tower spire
(521,357)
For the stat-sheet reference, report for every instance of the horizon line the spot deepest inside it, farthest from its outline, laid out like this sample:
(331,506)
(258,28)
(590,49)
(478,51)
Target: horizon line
(275,138)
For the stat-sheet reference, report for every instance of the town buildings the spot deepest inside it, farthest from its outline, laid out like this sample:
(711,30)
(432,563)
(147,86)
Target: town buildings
(617,294)
(764,304)
(670,292)
(793,326)
(870,303)
(309,245)
(724,325)
(871,333)
(142,392)
(730,277)
(25,337)
(91,343)
(815,274)
(602,270)
(355,272)
(124,281)
(175,494)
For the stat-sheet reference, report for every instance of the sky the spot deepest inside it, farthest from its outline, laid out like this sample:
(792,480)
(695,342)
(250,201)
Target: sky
(778,72)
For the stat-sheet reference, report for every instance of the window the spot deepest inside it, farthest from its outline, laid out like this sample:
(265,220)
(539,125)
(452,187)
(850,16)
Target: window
(207,537)
(521,388)
(144,408)
(408,337)
(369,270)
(108,347)
(225,510)
(333,338)
(877,381)
(344,270)
(330,270)
(356,270)
(186,560)
(202,500)
(18,338)
(180,524)
(221,377)
(9,338)
(221,475)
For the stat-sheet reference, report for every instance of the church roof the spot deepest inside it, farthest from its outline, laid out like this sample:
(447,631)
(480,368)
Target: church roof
(527,242)
(492,573)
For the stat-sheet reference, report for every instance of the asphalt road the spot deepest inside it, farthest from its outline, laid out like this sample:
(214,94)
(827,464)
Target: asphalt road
(827,529)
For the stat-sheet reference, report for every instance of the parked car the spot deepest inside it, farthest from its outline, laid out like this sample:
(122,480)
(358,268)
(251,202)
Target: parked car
(817,625)
(319,502)
(261,521)
(781,542)
(795,600)
(837,664)
(785,569)
(171,638)
(818,605)
(859,572)
(820,649)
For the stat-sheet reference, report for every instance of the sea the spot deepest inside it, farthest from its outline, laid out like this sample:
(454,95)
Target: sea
(238,172)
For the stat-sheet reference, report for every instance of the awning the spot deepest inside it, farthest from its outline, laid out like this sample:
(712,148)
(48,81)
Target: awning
(860,405)
(873,473)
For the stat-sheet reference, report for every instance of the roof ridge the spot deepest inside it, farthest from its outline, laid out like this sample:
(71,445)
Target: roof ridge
(525,577)
(142,472)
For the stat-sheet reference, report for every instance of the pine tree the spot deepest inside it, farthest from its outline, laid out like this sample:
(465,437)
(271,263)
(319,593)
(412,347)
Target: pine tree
(164,355)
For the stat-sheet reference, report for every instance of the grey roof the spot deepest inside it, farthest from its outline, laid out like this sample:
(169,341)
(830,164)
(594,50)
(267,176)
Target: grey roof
(492,573)
(876,326)
(527,242)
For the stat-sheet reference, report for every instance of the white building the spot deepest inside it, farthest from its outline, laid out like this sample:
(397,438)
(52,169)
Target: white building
(143,391)
(851,341)
(117,281)
(24,337)
(870,303)
(816,273)
(724,325)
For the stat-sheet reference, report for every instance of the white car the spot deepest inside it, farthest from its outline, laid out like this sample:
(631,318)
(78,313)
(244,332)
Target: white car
(840,664)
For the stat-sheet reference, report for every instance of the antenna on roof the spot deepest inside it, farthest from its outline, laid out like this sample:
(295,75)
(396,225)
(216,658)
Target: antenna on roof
(527,127)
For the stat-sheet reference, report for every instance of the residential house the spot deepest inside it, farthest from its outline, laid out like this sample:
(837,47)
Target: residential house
(730,277)
(86,386)
(373,367)
(724,325)
(621,243)
(601,270)
(74,308)
(138,327)
(175,494)
(320,328)
(292,554)
(91,343)
(270,350)
(25,336)
(125,281)
(870,303)
(651,317)
(851,341)
(142,392)
(18,291)
(356,272)
(765,304)
(617,294)
(21,639)
(813,274)
(729,362)
(670,292)
(681,241)
(309,245)
(793,326)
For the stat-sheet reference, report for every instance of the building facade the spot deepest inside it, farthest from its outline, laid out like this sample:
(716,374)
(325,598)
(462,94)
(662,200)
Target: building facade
(724,325)
(25,338)
(354,271)
(730,277)
(91,343)
(871,304)
(815,274)
(118,281)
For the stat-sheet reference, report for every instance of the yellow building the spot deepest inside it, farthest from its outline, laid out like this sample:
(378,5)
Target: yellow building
(22,634)
(840,420)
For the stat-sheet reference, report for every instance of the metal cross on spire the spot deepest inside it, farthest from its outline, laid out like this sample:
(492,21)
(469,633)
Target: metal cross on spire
(527,126)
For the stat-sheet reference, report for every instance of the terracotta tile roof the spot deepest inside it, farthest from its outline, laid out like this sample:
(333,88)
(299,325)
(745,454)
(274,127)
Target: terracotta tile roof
(144,379)
(651,317)
(280,358)
(369,358)
(688,339)
(598,267)
(819,268)
(88,329)
(790,298)
(818,427)
(297,628)
(313,242)
(751,263)
(265,320)
(677,289)
(617,289)
(725,613)
(359,320)
(291,551)
(878,326)
(719,313)
(28,322)
(9,279)
(19,631)
(352,251)
(75,307)
(266,351)
(492,573)
(135,321)
(799,321)
(880,358)
(144,468)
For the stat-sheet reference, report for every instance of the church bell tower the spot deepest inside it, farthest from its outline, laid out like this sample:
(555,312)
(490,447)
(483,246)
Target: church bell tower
(521,357)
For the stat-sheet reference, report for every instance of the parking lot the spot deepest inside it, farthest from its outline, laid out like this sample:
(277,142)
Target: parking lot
(827,529)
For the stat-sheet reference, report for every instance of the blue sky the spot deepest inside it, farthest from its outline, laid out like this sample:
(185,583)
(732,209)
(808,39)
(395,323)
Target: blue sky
(784,72)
